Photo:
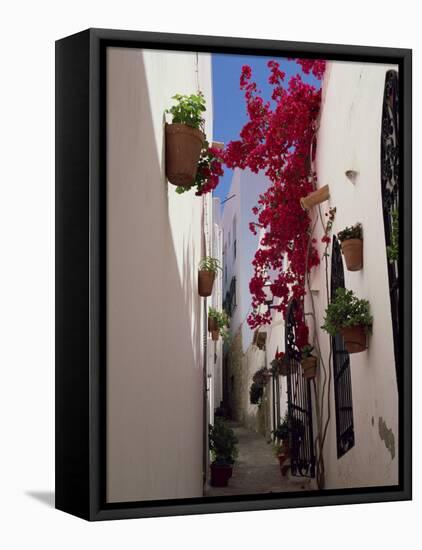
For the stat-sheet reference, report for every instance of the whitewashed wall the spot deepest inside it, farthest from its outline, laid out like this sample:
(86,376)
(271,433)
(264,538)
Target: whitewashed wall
(155,316)
(349,139)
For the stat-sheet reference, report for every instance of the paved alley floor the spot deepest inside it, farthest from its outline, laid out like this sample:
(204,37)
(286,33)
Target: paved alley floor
(257,469)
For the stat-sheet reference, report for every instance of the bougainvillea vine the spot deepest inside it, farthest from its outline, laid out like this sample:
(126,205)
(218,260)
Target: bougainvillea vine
(277,139)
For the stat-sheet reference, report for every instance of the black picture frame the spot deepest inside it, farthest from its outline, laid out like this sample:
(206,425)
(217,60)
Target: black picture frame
(80,273)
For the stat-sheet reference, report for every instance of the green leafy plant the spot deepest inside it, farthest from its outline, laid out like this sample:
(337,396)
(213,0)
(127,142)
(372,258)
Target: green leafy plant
(290,425)
(346,310)
(222,442)
(223,322)
(306,351)
(209,264)
(393,249)
(188,110)
(353,232)
(256,392)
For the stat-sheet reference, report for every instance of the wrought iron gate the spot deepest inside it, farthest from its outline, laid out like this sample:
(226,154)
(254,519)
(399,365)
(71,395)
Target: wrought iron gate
(390,191)
(302,457)
(341,367)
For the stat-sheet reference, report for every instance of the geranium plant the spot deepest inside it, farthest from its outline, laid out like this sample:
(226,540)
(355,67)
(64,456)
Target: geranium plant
(188,110)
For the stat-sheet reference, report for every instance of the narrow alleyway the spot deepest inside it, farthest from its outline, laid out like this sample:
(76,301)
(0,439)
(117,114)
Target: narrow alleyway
(257,469)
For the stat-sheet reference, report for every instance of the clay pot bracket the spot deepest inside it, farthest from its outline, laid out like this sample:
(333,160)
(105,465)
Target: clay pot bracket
(316,197)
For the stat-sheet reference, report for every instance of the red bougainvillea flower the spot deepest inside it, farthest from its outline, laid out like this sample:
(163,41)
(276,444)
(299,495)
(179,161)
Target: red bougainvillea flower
(280,141)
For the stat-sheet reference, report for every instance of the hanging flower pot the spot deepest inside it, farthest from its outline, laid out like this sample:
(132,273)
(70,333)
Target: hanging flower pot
(205,283)
(354,338)
(208,268)
(309,367)
(183,150)
(212,324)
(316,197)
(352,246)
(215,335)
(353,254)
(351,317)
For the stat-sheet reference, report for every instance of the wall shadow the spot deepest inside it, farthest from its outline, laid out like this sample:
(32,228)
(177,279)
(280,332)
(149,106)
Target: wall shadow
(154,385)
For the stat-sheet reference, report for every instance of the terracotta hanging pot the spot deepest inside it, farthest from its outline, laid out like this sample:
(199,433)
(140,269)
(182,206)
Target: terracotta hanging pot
(354,338)
(287,367)
(205,283)
(309,367)
(215,335)
(316,197)
(353,254)
(183,149)
(212,324)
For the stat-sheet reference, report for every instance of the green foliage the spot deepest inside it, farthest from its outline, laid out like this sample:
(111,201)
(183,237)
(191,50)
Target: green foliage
(222,442)
(346,310)
(223,322)
(290,425)
(209,264)
(353,232)
(393,250)
(307,351)
(255,393)
(188,110)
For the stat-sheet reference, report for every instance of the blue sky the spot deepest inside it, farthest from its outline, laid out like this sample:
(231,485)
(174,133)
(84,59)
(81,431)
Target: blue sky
(229,108)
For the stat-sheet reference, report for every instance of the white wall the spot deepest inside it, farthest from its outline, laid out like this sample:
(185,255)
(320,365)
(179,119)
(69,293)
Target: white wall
(349,139)
(246,186)
(155,316)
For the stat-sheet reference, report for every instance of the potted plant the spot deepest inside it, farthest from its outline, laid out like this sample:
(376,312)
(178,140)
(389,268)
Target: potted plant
(309,362)
(316,197)
(184,138)
(349,316)
(281,366)
(212,320)
(256,392)
(290,432)
(352,246)
(261,376)
(223,447)
(281,455)
(218,323)
(208,268)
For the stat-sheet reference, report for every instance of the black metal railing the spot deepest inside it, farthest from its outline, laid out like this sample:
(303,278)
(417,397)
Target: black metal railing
(302,457)
(390,192)
(341,367)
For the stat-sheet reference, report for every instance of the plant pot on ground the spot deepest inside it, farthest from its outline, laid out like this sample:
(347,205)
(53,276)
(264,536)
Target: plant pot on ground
(352,246)
(184,139)
(316,197)
(349,316)
(220,474)
(208,268)
(309,362)
(223,447)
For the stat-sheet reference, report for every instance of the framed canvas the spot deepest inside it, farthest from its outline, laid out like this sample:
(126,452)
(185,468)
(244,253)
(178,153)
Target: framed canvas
(233,274)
